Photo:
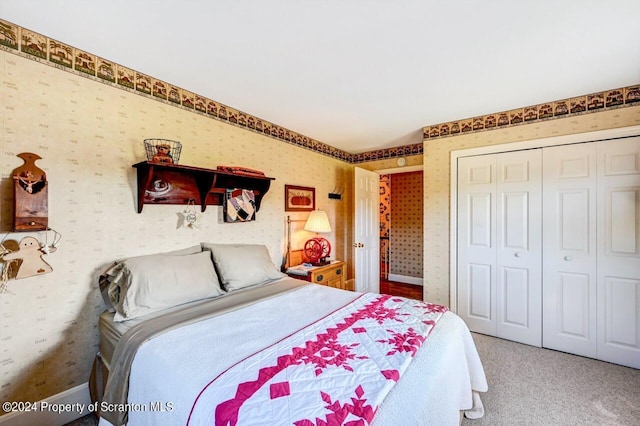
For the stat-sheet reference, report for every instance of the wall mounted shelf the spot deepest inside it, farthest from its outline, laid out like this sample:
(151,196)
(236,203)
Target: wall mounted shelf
(161,183)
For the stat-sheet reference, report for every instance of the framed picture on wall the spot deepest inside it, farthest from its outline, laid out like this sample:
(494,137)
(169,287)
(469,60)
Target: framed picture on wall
(299,198)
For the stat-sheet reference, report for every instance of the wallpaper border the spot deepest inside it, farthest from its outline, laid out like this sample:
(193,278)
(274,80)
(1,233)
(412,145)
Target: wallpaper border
(47,51)
(594,102)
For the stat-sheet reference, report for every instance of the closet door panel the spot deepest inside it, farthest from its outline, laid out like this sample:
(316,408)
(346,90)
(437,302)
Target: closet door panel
(573,220)
(621,297)
(515,298)
(476,243)
(479,299)
(518,246)
(573,301)
(619,251)
(569,241)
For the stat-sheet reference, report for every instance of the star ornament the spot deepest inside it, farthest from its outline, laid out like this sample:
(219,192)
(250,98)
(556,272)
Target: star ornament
(188,218)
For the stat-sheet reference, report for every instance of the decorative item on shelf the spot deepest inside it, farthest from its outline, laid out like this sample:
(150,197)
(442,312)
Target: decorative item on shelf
(239,205)
(164,183)
(163,150)
(317,249)
(30,195)
(299,198)
(239,170)
(158,188)
(188,218)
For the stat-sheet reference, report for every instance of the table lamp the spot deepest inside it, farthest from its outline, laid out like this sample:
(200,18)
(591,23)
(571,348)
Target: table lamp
(317,249)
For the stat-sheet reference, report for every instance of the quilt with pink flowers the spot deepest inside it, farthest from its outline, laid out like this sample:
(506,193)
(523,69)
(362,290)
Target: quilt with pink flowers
(334,371)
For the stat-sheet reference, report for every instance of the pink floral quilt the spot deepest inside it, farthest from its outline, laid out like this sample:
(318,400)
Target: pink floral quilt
(335,371)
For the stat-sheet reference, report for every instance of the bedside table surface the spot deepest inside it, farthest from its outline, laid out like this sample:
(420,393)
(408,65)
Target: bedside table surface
(331,275)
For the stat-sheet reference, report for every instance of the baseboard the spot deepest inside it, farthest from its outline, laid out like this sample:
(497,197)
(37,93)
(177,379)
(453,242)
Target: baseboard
(56,410)
(406,279)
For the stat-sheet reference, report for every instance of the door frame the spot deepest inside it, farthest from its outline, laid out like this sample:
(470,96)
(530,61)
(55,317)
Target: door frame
(506,147)
(408,169)
(396,170)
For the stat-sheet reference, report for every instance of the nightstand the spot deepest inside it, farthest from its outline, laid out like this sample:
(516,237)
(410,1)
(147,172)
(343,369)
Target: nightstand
(331,275)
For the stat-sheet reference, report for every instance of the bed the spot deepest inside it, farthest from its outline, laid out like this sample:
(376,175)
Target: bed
(266,349)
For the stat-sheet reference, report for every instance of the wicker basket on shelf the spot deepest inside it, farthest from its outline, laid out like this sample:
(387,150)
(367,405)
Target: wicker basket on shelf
(162,150)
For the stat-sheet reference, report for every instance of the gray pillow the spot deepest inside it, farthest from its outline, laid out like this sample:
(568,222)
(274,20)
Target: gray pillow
(152,283)
(242,265)
(104,280)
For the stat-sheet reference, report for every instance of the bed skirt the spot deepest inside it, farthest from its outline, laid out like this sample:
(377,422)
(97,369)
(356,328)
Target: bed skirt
(98,379)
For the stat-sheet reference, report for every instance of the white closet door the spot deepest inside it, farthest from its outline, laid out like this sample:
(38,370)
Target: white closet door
(518,246)
(619,251)
(476,243)
(569,240)
(499,244)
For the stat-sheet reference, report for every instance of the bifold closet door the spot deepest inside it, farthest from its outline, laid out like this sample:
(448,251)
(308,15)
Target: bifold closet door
(591,261)
(569,240)
(499,245)
(618,269)
(519,246)
(477,243)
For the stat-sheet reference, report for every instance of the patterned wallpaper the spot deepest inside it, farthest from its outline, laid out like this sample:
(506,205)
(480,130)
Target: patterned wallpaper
(38,47)
(406,236)
(89,134)
(385,224)
(594,102)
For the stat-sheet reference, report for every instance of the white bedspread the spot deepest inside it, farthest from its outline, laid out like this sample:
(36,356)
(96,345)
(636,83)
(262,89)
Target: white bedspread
(168,373)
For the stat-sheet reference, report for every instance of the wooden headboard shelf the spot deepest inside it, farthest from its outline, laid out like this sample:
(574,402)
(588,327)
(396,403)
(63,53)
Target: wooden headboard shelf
(162,183)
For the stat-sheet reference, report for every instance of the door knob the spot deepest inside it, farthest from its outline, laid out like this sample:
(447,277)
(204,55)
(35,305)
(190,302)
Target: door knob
(517,254)
(358,245)
(567,258)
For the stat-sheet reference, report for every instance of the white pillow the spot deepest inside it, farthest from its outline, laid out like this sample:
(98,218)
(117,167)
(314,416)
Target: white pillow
(104,280)
(151,283)
(242,265)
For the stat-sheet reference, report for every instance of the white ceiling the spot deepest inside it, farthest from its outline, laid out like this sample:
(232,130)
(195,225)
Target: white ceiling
(358,74)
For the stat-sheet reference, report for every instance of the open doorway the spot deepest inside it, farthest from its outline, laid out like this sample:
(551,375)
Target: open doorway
(401,233)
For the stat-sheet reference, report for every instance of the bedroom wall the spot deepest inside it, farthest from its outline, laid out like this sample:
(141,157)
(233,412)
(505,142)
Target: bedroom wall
(437,179)
(89,134)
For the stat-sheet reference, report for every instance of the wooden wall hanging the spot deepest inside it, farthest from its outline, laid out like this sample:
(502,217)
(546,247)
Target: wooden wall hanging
(30,195)
(30,253)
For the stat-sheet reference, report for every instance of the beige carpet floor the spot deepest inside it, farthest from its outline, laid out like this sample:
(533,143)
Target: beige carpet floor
(534,386)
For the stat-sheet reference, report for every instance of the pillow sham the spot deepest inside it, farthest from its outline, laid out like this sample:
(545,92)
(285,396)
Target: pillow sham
(242,265)
(103,284)
(152,283)
(104,280)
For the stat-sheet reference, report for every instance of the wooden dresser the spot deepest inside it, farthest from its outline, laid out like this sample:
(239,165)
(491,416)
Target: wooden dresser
(331,275)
